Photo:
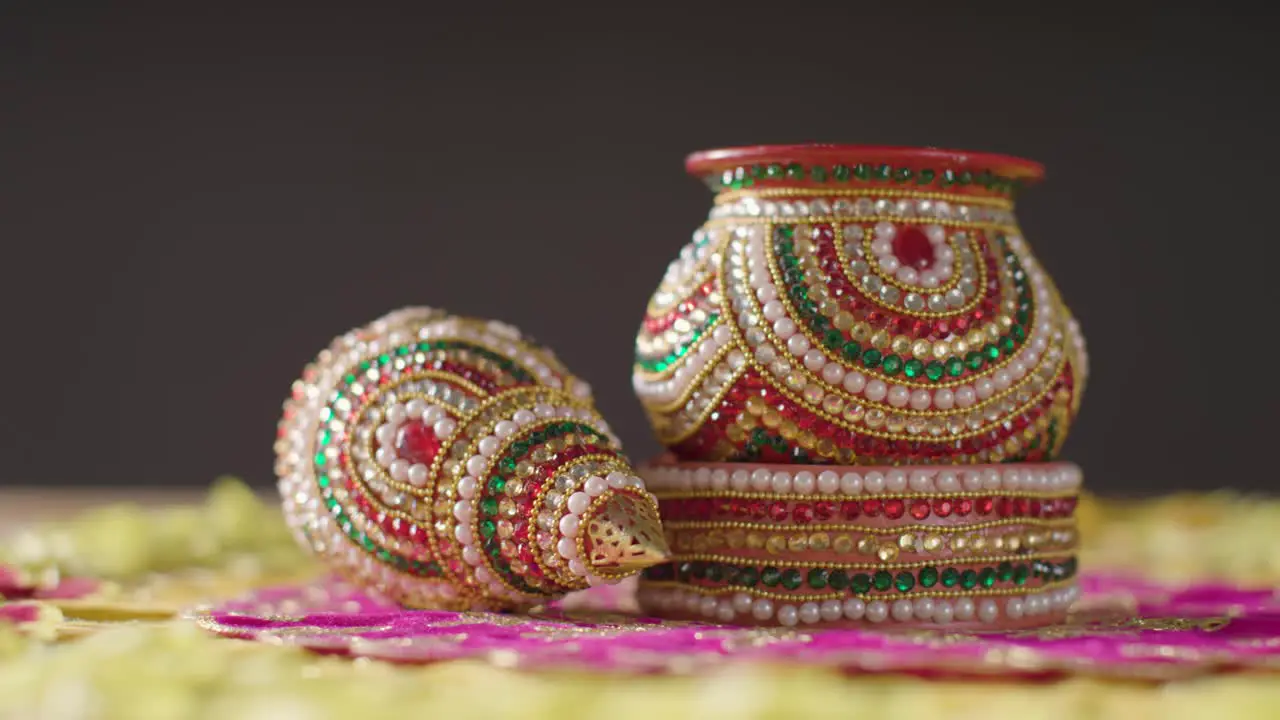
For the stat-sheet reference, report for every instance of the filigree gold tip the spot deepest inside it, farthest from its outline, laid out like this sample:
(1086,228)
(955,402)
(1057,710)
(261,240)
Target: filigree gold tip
(624,536)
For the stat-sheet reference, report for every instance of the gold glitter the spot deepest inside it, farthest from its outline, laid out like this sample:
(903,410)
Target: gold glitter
(933,542)
(819,541)
(776,544)
(797,543)
(843,544)
(755,541)
(907,541)
(868,545)
(887,553)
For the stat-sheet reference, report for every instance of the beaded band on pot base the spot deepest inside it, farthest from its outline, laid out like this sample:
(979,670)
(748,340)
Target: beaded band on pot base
(983,546)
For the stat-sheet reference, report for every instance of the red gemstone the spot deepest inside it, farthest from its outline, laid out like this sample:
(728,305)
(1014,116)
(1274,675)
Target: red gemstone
(871,508)
(919,509)
(1004,507)
(912,248)
(942,507)
(778,511)
(701,509)
(1022,506)
(894,508)
(803,513)
(824,510)
(985,505)
(759,509)
(964,507)
(1037,509)
(850,509)
(417,443)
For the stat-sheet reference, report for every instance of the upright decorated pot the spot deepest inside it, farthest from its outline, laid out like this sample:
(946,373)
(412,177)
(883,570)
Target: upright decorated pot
(860,305)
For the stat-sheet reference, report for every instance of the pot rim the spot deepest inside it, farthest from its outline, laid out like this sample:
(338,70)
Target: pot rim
(704,161)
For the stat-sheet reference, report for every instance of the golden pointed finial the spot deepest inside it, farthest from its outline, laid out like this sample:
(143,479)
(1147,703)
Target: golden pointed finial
(624,535)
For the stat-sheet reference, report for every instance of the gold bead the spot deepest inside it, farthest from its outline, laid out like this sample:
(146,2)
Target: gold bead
(796,381)
(846,456)
(932,542)
(771,418)
(843,320)
(861,332)
(755,541)
(907,541)
(736,433)
(901,344)
(843,544)
(880,339)
(959,544)
(776,544)
(756,405)
(833,404)
(867,545)
(975,338)
(826,447)
(735,539)
(715,539)
(959,346)
(797,543)
(942,349)
(921,348)
(997,543)
(788,430)
(887,553)
(829,307)
(1012,543)
(819,541)
(853,412)
(746,420)
(806,439)
(699,543)
(978,543)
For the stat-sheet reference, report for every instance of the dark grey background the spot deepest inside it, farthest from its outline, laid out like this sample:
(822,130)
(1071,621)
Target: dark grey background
(194,202)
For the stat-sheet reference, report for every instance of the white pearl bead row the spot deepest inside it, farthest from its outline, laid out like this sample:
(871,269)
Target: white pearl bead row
(836,375)
(688,369)
(503,339)
(940,611)
(576,507)
(400,469)
(882,248)
(478,466)
(1029,477)
(688,266)
(819,208)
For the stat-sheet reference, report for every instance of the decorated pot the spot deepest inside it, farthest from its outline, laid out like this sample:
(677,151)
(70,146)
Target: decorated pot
(453,462)
(859,305)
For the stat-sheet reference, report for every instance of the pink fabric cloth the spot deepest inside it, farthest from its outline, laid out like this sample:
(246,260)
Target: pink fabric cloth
(1124,627)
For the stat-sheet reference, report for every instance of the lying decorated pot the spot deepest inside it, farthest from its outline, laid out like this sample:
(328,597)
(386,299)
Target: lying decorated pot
(860,305)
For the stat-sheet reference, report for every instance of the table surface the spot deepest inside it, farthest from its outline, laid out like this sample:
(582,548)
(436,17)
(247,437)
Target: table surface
(25,505)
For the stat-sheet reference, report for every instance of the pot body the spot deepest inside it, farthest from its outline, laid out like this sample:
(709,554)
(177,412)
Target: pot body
(860,305)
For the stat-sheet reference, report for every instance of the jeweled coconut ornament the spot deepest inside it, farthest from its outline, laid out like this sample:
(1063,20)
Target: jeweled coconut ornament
(860,305)
(453,462)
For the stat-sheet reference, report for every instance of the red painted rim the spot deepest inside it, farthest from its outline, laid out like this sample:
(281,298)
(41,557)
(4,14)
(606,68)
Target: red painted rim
(702,162)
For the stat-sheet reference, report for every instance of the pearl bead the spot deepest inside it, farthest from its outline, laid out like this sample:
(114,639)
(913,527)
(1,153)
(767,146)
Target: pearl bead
(742,602)
(944,399)
(418,474)
(964,609)
(414,408)
(773,310)
(483,575)
(616,480)
(873,482)
(854,608)
(803,482)
(899,396)
(784,328)
(875,391)
(504,428)
(942,612)
(901,610)
(920,399)
(399,470)
(708,606)
(395,414)
(719,479)
(781,482)
(854,382)
(385,456)
(788,615)
(895,481)
(740,480)
(815,360)
(488,445)
(832,373)
(991,479)
(810,613)
(1037,605)
(877,611)
(1002,379)
(462,511)
(467,487)
(523,417)
(433,414)
(947,481)
(965,397)
(762,609)
(1013,608)
(595,485)
(577,567)
(579,502)
(1012,479)
(923,608)
(798,345)
(885,230)
(972,480)
(476,465)
(462,533)
(386,434)
(851,483)
(984,388)
(828,482)
(724,612)
(987,611)
(567,548)
(471,556)
(569,525)
(761,480)
(831,610)
(908,275)
(444,428)
(920,481)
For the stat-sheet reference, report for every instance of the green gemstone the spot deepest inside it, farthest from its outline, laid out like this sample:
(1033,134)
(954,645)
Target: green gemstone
(950,577)
(851,351)
(1006,345)
(871,357)
(891,365)
(795,171)
(965,177)
(404,350)
(791,579)
(913,368)
(1019,333)
(757,171)
(747,576)
(987,577)
(882,580)
(320,458)
(322,481)
(974,360)
(383,359)
(948,177)
(537,437)
(774,170)
(968,579)
(860,583)
(838,580)
(841,173)
(818,173)
(818,323)
(489,506)
(991,352)
(903,175)
(715,572)
(862,171)
(1004,571)
(1022,316)
(508,464)
(904,582)
(928,577)
(497,484)
(934,371)
(771,576)
(955,367)
(924,177)
(884,172)
(488,528)
(519,448)
(833,339)
(818,578)
(784,232)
